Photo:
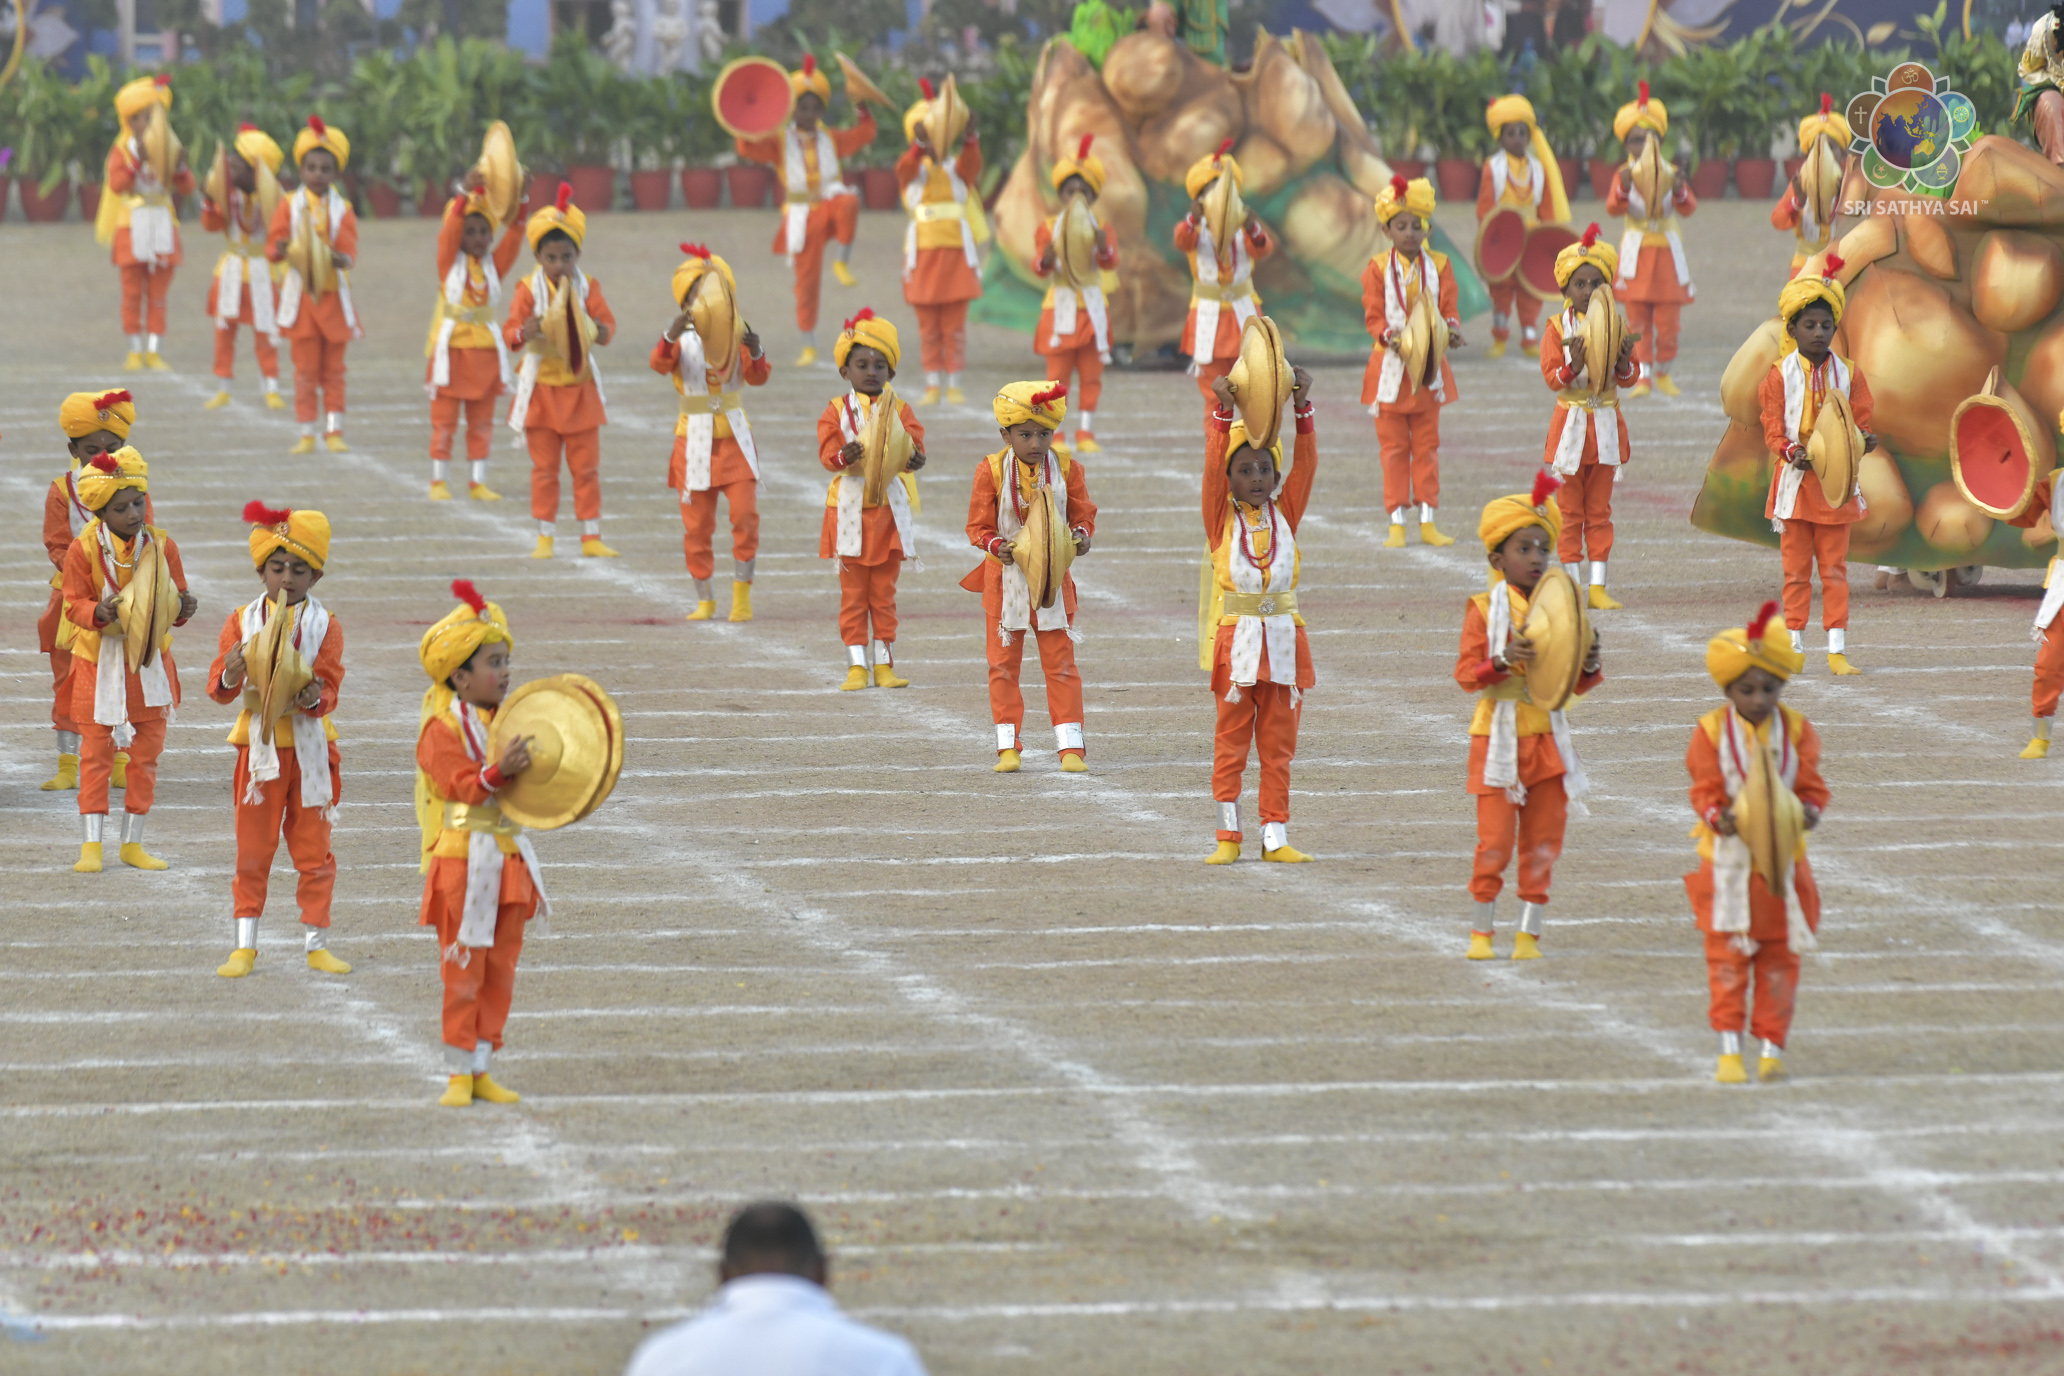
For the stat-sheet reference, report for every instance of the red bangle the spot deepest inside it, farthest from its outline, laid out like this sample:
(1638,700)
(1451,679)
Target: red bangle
(491,778)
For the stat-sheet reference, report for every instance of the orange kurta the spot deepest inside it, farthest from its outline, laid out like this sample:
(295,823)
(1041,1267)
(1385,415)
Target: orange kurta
(1410,396)
(569,408)
(986,577)
(772,151)
(941,275)
(1084,336)
(1653,277)
(1539,760)
(119,179)
(1811,504)
(1225,340)
(322,313)
(83,587)
(879,541)
(1709,798)
(475,368)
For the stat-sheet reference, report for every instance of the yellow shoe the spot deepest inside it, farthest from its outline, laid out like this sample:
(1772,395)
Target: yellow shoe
(1730,1071)
(1085,443)
(843,273)
(275,402)
(133,363)
(458,1093)
(137,858)
(216,402)
(1601,600)
(1287,855)
(885,676)
(704,611)
(954,396)
(1480,946)
(1666,384)
(67,775)
(239,963)
(1226,854)
(484,1087)
(155,361)
(440,491)
(856,679)
(1770,1067)
(1531,348)
(741,601)
(1008,761)
(89,858)
(591,547)
(544,548)
(930,397)
(304,445)
(1639,389)
(334,442)
(1072,763)
(118,773)
(1396,538)
(1497,349)
(327,963)
(807,357)
(481,492)
(1840,665)
(2038,748)
(1526,946)
(1429,535)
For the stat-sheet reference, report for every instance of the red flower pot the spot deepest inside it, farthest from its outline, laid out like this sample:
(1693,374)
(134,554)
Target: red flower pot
(750,184)
(1602,173)
(594,188)
(1791,170)
(1457,179)
(89,199)
(544,189)
(652,190)
(431,199)
(43,210)
(1709,179)
(384,200)
(878,189)
(1571,170)
(1755,178)
(1408,168)
(702,187)
(6,182)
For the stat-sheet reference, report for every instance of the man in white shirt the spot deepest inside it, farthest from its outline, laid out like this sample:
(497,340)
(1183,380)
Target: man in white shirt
(773,1316)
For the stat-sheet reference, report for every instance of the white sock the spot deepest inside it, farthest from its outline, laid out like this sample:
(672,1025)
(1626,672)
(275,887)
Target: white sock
(312,939)
(2042,728)
(932,380)
(953,379)
(547,528)
(483,1053)
(1006,736)
(1598,573)
(440,469)
(591,530)
(1837,641)
(271,386)
(479,470)
(333,422)
(1798,642)
(809,339)
(135,343)
(150,344)
(1425,514)
(1086,423)
(1397,517)
(308,429)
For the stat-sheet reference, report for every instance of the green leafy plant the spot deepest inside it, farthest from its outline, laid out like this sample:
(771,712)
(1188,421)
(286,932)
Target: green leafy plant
(1982,67)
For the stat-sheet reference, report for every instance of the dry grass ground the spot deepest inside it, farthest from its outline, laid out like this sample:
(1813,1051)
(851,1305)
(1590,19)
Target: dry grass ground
(1063,1099)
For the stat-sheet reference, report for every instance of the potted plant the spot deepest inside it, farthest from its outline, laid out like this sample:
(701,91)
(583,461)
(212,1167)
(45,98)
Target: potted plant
(443,133)
(1462,87)
(581,91)
(46,127)
(698,141)
(1576,90)
(655,132)
(98,124)
(374,112)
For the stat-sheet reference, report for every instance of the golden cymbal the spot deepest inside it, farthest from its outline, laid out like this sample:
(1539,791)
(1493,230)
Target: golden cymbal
(147,608)
(858,87)
(568,329)
(274,671)
(1045,548)
(1835,448)
(1075,245)
(575,750)
(1603,330)
(885,447)
(713,310)
(1768,816)
(613,719)
(215,186)
(1560,630)
(946,119)
(500,173)
(1261,381)
(1225,211)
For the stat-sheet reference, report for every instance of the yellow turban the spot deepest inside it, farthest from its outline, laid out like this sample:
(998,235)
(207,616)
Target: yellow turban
(139,95)
(562,214)
(1644,112)
(1045,402)
(1238,439)
(1084,165)
(1827,122)
(320,135)
(810,80)
(1805,289)
(451,642)
(82,413)
(1204,171)
(695,267)
(1415,196)
(256,147)
(1507,516)
(1762,644)
(870,330)
(911,117)
(303,534)
(1516,109)
(100,480)
(1588,249)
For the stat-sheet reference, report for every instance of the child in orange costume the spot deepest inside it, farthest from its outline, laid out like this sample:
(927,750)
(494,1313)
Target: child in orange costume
(1752,935)
(469,359)
(113,704)
(318,316)
(941,273)
(1074,330)
(1407,409)
(2048,632)
(271,791)
(1523,767)
(869,541)
(1028,414)
(1587,440)
(558,407)
(1252,640)
(817,208)
(1791,397)
(1222,295)
(1792,210)
(139,220)
(713,444)
(1521,173)
(481,884)
(95,423)
(244,288)
(1655,282)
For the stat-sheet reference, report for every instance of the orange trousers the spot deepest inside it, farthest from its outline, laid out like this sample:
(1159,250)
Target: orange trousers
(1056,662)
(583,450)
(444,426)
(1657,322)
(832,219)
(942,335)
(1086,364)
(97,765)
(138,283)
(1586,502)
(1265,717)
(1505,296)
(2049,670)
(318,377)
(1538,827)
(1409,442)
(1774,970)
(1804,544)
(61,691)
(868,591)
(699,525)
(477,994)
(261,345)
(259,827)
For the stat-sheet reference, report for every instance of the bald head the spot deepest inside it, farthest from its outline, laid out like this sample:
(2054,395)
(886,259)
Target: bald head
(772,1238)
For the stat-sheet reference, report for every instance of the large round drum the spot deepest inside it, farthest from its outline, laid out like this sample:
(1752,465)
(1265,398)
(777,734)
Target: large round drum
(1500,238)
(751,97)
(1537,259)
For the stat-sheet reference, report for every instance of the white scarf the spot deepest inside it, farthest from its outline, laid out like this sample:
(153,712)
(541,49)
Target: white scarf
(1238,293)
(293,288)
(452,300)
(153,238)
(484,857)
(1638,224)
(311,742)
(1501,763)
(796,221)
(1391,380)
(244,262)
(111,670)
(1792,369)
(1018,612)
(913,200)
(852,491)
(1252,635)
(1501,174)
(1600,418)
(1092,300)
(1732,864)
(75,510)
(526,379)
(697,397)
